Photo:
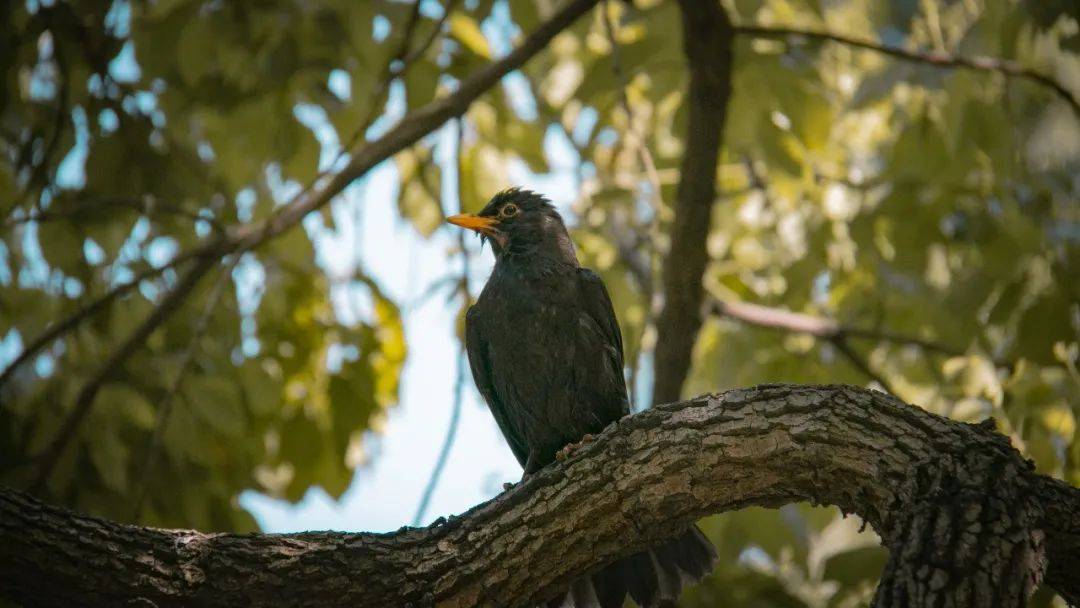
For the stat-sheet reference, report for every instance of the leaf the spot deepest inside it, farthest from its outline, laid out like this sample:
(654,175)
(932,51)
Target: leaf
(418,201)
(196,50)
(465,30)
(216,401)
(134,406)
(110,458)
(303,164)
(62,246)
(421,82)
(878,86)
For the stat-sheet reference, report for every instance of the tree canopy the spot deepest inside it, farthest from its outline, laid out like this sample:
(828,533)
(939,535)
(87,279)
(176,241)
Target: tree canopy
(894,203)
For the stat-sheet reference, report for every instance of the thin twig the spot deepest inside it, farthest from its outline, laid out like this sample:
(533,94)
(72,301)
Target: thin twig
(39,175)
(416,53)
(656,201)
(459,382)
(455,418)
(153,448)
(841,344)
(942,60)
(85,400)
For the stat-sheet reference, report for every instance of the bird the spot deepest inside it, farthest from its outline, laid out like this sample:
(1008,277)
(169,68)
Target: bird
(546,354)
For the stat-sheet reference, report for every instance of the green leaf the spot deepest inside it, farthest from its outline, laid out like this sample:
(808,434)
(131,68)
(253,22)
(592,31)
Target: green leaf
(196,50)
(62,245)
(465,30)
(216,401)
(134,406)
(110,457)
(418,201)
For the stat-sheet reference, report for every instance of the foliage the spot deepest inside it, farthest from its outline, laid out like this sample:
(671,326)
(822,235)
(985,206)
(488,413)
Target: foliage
(135,131)
(897,197)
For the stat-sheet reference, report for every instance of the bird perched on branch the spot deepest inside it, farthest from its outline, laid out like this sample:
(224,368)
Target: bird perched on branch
(546,354)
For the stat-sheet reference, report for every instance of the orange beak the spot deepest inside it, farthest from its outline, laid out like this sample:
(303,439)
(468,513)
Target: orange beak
(477,223)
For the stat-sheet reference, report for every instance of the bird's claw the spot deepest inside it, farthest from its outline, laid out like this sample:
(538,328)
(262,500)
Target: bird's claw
(570,448)
(509,484)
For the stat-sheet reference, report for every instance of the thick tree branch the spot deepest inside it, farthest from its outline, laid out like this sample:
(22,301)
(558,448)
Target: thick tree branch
(993,520)
(943,60)
(707,43)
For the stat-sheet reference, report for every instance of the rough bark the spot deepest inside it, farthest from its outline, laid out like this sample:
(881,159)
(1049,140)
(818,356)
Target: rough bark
(966,519)
(707,39)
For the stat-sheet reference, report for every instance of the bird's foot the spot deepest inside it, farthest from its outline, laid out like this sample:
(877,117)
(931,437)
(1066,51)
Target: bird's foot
(570,448)
(509,484)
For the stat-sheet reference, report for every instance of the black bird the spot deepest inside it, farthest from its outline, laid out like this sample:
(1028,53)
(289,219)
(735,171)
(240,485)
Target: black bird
(546,354)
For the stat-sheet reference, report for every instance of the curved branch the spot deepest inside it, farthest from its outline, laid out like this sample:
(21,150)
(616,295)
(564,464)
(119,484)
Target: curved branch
(942,60)
(994,521)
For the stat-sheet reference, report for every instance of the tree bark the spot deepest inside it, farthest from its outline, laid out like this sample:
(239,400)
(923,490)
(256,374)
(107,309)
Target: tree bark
(966,519)
(707,40)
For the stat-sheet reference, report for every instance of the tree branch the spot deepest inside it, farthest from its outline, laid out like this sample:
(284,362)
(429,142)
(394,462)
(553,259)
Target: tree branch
(907,472)
(827,329)
(841,344)
(707,43)
(942,60)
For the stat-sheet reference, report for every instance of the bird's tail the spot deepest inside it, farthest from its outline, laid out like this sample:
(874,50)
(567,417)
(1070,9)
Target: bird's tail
(651,578)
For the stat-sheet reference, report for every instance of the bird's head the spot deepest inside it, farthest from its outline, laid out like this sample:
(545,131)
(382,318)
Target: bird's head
(521,222)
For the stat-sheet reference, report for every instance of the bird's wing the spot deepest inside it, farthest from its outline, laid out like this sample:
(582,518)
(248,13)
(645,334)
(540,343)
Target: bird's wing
(597,304)
(477,348)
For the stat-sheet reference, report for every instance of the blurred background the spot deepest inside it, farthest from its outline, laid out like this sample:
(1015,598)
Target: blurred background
(919,216)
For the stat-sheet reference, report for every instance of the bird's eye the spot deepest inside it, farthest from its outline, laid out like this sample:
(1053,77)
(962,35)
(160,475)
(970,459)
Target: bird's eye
(509,210)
